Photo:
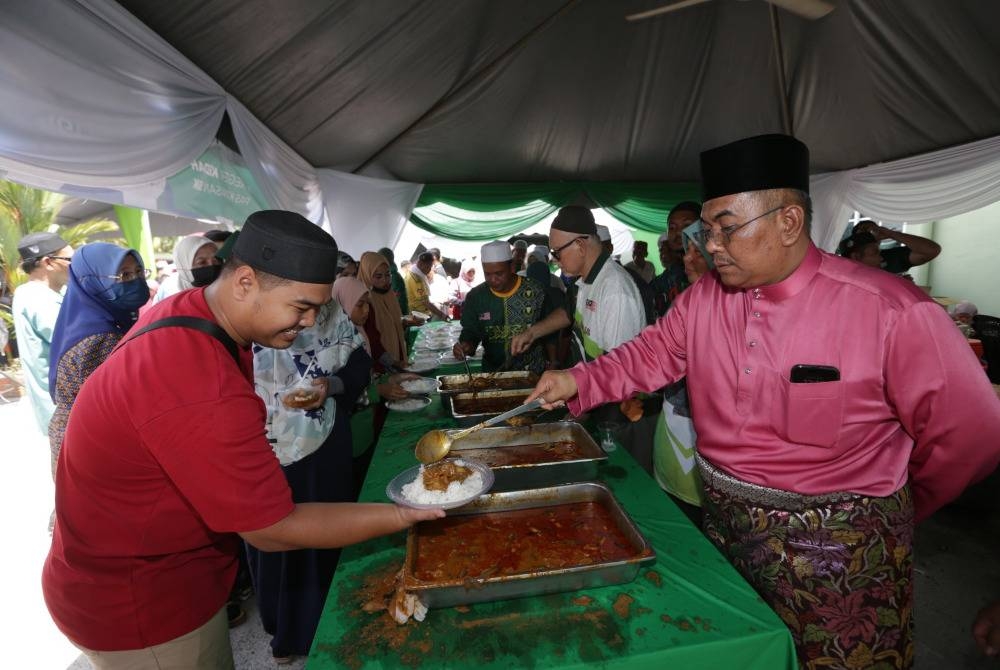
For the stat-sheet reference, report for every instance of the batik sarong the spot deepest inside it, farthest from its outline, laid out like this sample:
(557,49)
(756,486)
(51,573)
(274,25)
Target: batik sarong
(836,568)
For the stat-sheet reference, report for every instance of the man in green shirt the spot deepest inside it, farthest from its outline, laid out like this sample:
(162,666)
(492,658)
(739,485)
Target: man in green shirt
(498,309)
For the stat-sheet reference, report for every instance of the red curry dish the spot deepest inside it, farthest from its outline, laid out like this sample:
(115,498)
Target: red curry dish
(499,544)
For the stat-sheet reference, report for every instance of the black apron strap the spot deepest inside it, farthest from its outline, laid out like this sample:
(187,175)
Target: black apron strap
(194,323)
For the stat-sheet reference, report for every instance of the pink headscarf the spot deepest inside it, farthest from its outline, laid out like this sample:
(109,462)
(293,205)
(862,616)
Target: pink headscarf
(348,291)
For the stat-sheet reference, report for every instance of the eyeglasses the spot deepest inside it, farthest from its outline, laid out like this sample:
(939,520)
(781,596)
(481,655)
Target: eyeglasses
(722,236)
(558,250)
(128,276)
(61,258)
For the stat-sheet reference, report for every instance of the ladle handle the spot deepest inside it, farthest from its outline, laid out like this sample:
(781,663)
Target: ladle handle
(500,418)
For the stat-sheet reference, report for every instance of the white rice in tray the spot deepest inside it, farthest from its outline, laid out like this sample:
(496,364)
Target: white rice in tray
(409,405)
(467,488)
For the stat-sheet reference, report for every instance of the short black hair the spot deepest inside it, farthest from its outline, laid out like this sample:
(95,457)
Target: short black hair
(426,257)
(267,280)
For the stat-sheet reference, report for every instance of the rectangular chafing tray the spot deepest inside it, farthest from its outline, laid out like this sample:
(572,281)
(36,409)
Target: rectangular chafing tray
(470,418)
(516,379)
(466,591)
(531,475)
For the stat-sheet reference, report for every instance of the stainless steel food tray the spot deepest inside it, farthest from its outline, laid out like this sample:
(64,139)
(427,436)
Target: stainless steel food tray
(532,475)
(467,591)
(472,418)
(451,384)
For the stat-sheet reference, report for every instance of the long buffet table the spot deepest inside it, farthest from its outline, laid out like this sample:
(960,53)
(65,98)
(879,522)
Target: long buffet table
(690,609)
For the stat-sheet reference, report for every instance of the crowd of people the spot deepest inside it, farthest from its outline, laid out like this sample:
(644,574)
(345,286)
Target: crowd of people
(797,405)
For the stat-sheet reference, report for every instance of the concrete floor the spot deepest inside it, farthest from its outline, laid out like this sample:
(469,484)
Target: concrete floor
(957,568)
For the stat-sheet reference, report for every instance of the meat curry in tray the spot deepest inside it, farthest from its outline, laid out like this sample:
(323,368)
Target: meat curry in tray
(517,542)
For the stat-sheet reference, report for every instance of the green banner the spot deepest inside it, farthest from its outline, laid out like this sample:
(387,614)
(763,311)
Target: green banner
(135,227)
(216,186)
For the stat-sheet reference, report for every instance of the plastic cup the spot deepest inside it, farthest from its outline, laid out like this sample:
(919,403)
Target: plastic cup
(608,430)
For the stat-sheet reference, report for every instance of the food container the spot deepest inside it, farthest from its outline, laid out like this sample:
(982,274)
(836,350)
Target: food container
(454,561)
(519,460)
(487,381)
(469,409)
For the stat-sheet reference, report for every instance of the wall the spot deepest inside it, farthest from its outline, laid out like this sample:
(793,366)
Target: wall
(967,266)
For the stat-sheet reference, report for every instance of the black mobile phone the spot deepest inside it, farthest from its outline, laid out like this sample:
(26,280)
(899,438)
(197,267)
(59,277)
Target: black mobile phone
(813,374)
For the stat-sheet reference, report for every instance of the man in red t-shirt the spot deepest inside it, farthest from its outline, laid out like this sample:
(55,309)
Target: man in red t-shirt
(165,464)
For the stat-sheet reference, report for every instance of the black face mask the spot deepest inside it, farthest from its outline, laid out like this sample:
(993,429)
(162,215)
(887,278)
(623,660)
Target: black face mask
(205,275)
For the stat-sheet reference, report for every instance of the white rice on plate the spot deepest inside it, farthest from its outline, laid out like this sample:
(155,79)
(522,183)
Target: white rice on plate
(422,385)
(467,488)
(408,405)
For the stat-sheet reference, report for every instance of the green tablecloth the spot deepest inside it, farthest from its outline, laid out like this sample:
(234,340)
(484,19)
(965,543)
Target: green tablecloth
(688,610)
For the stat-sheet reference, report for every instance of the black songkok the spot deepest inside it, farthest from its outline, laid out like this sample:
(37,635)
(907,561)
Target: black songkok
(39,245)
(755,164)
(287,245)
(575,219)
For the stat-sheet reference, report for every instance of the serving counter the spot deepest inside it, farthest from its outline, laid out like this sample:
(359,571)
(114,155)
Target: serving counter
(689,609)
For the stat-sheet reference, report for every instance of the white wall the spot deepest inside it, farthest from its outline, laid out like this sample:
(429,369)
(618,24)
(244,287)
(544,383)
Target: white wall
(970,253)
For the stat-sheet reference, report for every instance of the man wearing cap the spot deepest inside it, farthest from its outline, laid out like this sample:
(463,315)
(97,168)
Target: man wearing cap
(418,287)
(520,252)
(670,245)
(861,247)
(45,258)
(899,259)
(166,466)
(607,309)
(816,455)
(504,305)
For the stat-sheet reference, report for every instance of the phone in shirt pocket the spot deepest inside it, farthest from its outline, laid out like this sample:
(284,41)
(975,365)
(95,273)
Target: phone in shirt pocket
(814,405)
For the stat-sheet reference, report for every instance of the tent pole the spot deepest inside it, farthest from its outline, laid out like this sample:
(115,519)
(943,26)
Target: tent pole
(779,66)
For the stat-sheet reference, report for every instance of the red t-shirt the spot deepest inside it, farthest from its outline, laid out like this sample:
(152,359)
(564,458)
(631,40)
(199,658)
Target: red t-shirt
(164,460)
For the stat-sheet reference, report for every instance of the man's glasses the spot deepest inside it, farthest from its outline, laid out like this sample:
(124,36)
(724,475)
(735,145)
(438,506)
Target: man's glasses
(61,258)
(555,252)
(722,236)
(128,276)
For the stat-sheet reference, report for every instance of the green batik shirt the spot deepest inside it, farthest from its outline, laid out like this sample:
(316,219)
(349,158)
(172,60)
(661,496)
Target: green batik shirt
(495,319)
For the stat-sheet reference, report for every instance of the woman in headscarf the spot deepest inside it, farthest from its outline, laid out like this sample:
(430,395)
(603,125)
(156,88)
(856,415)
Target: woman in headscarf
(362,306)
(106,288)
(194,258)
(384,326)
(312,440)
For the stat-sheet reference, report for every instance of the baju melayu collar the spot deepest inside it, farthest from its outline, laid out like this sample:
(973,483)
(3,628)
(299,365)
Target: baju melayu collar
(793,283)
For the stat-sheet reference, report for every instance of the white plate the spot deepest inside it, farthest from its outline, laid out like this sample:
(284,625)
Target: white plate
(422,385)
(409,404)
(395,488)
(423,365)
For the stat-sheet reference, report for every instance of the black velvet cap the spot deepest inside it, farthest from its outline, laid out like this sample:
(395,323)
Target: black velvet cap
(575,219)
(39,245)
(755,164)
(288,245)
(854,242)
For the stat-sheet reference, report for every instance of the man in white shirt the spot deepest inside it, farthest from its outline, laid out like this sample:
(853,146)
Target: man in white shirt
(45,258)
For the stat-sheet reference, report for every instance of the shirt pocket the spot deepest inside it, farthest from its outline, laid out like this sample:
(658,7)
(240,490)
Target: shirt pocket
(811,414)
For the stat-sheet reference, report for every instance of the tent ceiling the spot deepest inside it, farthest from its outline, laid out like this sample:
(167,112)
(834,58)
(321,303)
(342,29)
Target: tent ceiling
(536,90)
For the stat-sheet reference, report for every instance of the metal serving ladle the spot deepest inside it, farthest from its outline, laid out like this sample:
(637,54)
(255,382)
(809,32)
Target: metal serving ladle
(435,444)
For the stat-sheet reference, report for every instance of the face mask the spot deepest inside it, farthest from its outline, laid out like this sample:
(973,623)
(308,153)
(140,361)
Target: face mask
(205,275)
(130,294)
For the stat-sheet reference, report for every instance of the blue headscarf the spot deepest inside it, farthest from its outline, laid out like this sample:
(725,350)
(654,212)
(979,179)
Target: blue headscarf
(94,302)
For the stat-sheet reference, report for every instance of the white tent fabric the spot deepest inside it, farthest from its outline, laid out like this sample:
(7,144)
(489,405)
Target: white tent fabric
(106,108)
(365,213)
(918,189)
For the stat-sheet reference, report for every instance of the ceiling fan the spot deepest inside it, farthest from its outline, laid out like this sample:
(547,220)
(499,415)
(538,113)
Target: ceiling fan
(807,9)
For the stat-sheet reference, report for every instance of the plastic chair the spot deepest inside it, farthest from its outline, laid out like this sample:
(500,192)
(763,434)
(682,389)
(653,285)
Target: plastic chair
(988,331)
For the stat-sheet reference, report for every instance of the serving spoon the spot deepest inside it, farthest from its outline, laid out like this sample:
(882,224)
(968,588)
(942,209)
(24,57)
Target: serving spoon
(435,444)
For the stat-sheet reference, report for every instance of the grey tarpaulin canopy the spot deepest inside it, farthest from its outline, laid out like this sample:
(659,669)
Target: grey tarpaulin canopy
(537,90)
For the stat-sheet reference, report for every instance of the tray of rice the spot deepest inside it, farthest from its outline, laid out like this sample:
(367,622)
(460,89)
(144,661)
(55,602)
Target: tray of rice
(524,543)
(423,365)
(539,455)
(445,484)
